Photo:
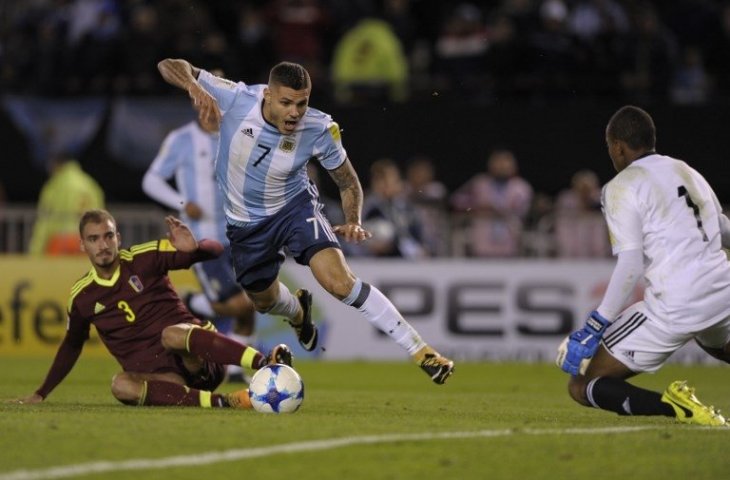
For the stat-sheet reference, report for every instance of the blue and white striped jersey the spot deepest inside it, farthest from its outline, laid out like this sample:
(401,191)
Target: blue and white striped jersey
(188,155)
(259,169)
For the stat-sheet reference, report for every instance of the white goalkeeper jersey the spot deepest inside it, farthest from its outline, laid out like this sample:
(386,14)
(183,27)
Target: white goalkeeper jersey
(665,208)
(258,168)
(188,154)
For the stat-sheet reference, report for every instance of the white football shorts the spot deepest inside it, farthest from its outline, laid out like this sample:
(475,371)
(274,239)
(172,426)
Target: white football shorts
(643,343)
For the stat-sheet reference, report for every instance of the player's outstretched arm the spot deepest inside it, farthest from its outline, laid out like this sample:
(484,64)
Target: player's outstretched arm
(180,73)
(66,356)
(351,195)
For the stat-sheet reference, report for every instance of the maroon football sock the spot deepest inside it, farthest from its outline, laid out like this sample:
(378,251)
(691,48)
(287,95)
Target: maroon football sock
(160,393)
(166,393)
(216,348)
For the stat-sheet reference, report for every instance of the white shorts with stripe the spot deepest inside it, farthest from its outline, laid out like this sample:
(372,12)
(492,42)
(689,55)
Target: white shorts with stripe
(643,342)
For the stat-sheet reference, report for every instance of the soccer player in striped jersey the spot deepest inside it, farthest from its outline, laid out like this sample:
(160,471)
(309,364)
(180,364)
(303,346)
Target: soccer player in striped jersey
(188,155)
(268,133)
(666,223)
(168,357)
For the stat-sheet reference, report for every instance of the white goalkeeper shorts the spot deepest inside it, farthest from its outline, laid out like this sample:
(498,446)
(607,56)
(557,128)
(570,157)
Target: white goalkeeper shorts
(644,344)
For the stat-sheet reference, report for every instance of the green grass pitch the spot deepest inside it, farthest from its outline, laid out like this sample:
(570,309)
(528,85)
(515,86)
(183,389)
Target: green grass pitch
(359,420)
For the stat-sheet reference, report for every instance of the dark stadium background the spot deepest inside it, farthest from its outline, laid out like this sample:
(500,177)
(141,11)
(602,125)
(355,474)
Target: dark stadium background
(550,111)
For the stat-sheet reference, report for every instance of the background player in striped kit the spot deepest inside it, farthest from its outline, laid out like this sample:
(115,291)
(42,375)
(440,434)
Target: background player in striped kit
(268,134)
(187,155)
(665,222)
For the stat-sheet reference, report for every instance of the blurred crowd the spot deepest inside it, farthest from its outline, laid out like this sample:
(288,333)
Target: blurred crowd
(495,214)
(397,51)
(393,50)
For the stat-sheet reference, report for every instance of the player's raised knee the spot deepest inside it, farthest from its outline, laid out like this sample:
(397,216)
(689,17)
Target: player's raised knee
(577,389)
(340,288)
(174,336)
(126,389)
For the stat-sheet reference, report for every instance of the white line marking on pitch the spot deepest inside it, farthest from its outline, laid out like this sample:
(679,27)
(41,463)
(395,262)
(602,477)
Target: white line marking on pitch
(306,446)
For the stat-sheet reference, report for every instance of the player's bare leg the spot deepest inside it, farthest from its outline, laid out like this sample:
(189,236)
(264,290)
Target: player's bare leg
(332,272)
(264,299)
(276,299)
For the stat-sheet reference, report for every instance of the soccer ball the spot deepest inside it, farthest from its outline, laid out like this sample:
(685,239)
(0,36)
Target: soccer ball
(276,388)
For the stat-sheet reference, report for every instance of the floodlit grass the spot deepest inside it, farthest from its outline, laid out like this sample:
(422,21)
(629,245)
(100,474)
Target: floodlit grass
(529,429)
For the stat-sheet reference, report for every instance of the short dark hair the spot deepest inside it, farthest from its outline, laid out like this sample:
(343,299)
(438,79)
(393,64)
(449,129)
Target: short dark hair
(94,216)
(634,126)
(292,75)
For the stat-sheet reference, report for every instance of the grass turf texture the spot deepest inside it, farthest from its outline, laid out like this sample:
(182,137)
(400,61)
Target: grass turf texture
(524,410)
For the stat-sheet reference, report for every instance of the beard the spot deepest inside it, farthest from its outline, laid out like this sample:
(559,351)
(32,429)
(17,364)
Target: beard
(105,260)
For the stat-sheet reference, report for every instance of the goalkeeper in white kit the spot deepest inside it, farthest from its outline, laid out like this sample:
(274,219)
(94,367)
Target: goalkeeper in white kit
(666,224)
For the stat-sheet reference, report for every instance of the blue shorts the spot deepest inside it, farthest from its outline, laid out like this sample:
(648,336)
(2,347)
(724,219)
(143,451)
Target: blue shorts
(258,250)
(217,277)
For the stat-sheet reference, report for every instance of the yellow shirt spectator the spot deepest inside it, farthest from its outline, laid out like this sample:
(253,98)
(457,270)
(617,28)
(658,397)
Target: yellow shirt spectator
(370,56)
(65,196)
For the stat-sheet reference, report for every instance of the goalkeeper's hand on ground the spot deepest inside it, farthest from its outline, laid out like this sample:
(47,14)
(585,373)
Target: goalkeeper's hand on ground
(582,344)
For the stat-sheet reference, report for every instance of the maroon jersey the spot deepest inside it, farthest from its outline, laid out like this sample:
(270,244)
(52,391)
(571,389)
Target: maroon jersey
(130,310)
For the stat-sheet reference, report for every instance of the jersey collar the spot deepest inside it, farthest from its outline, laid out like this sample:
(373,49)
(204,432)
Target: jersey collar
(103,282)
(263,118)
(647,154)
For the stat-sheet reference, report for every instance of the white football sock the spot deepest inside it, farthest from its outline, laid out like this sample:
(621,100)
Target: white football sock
(381,313)
(286,305)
